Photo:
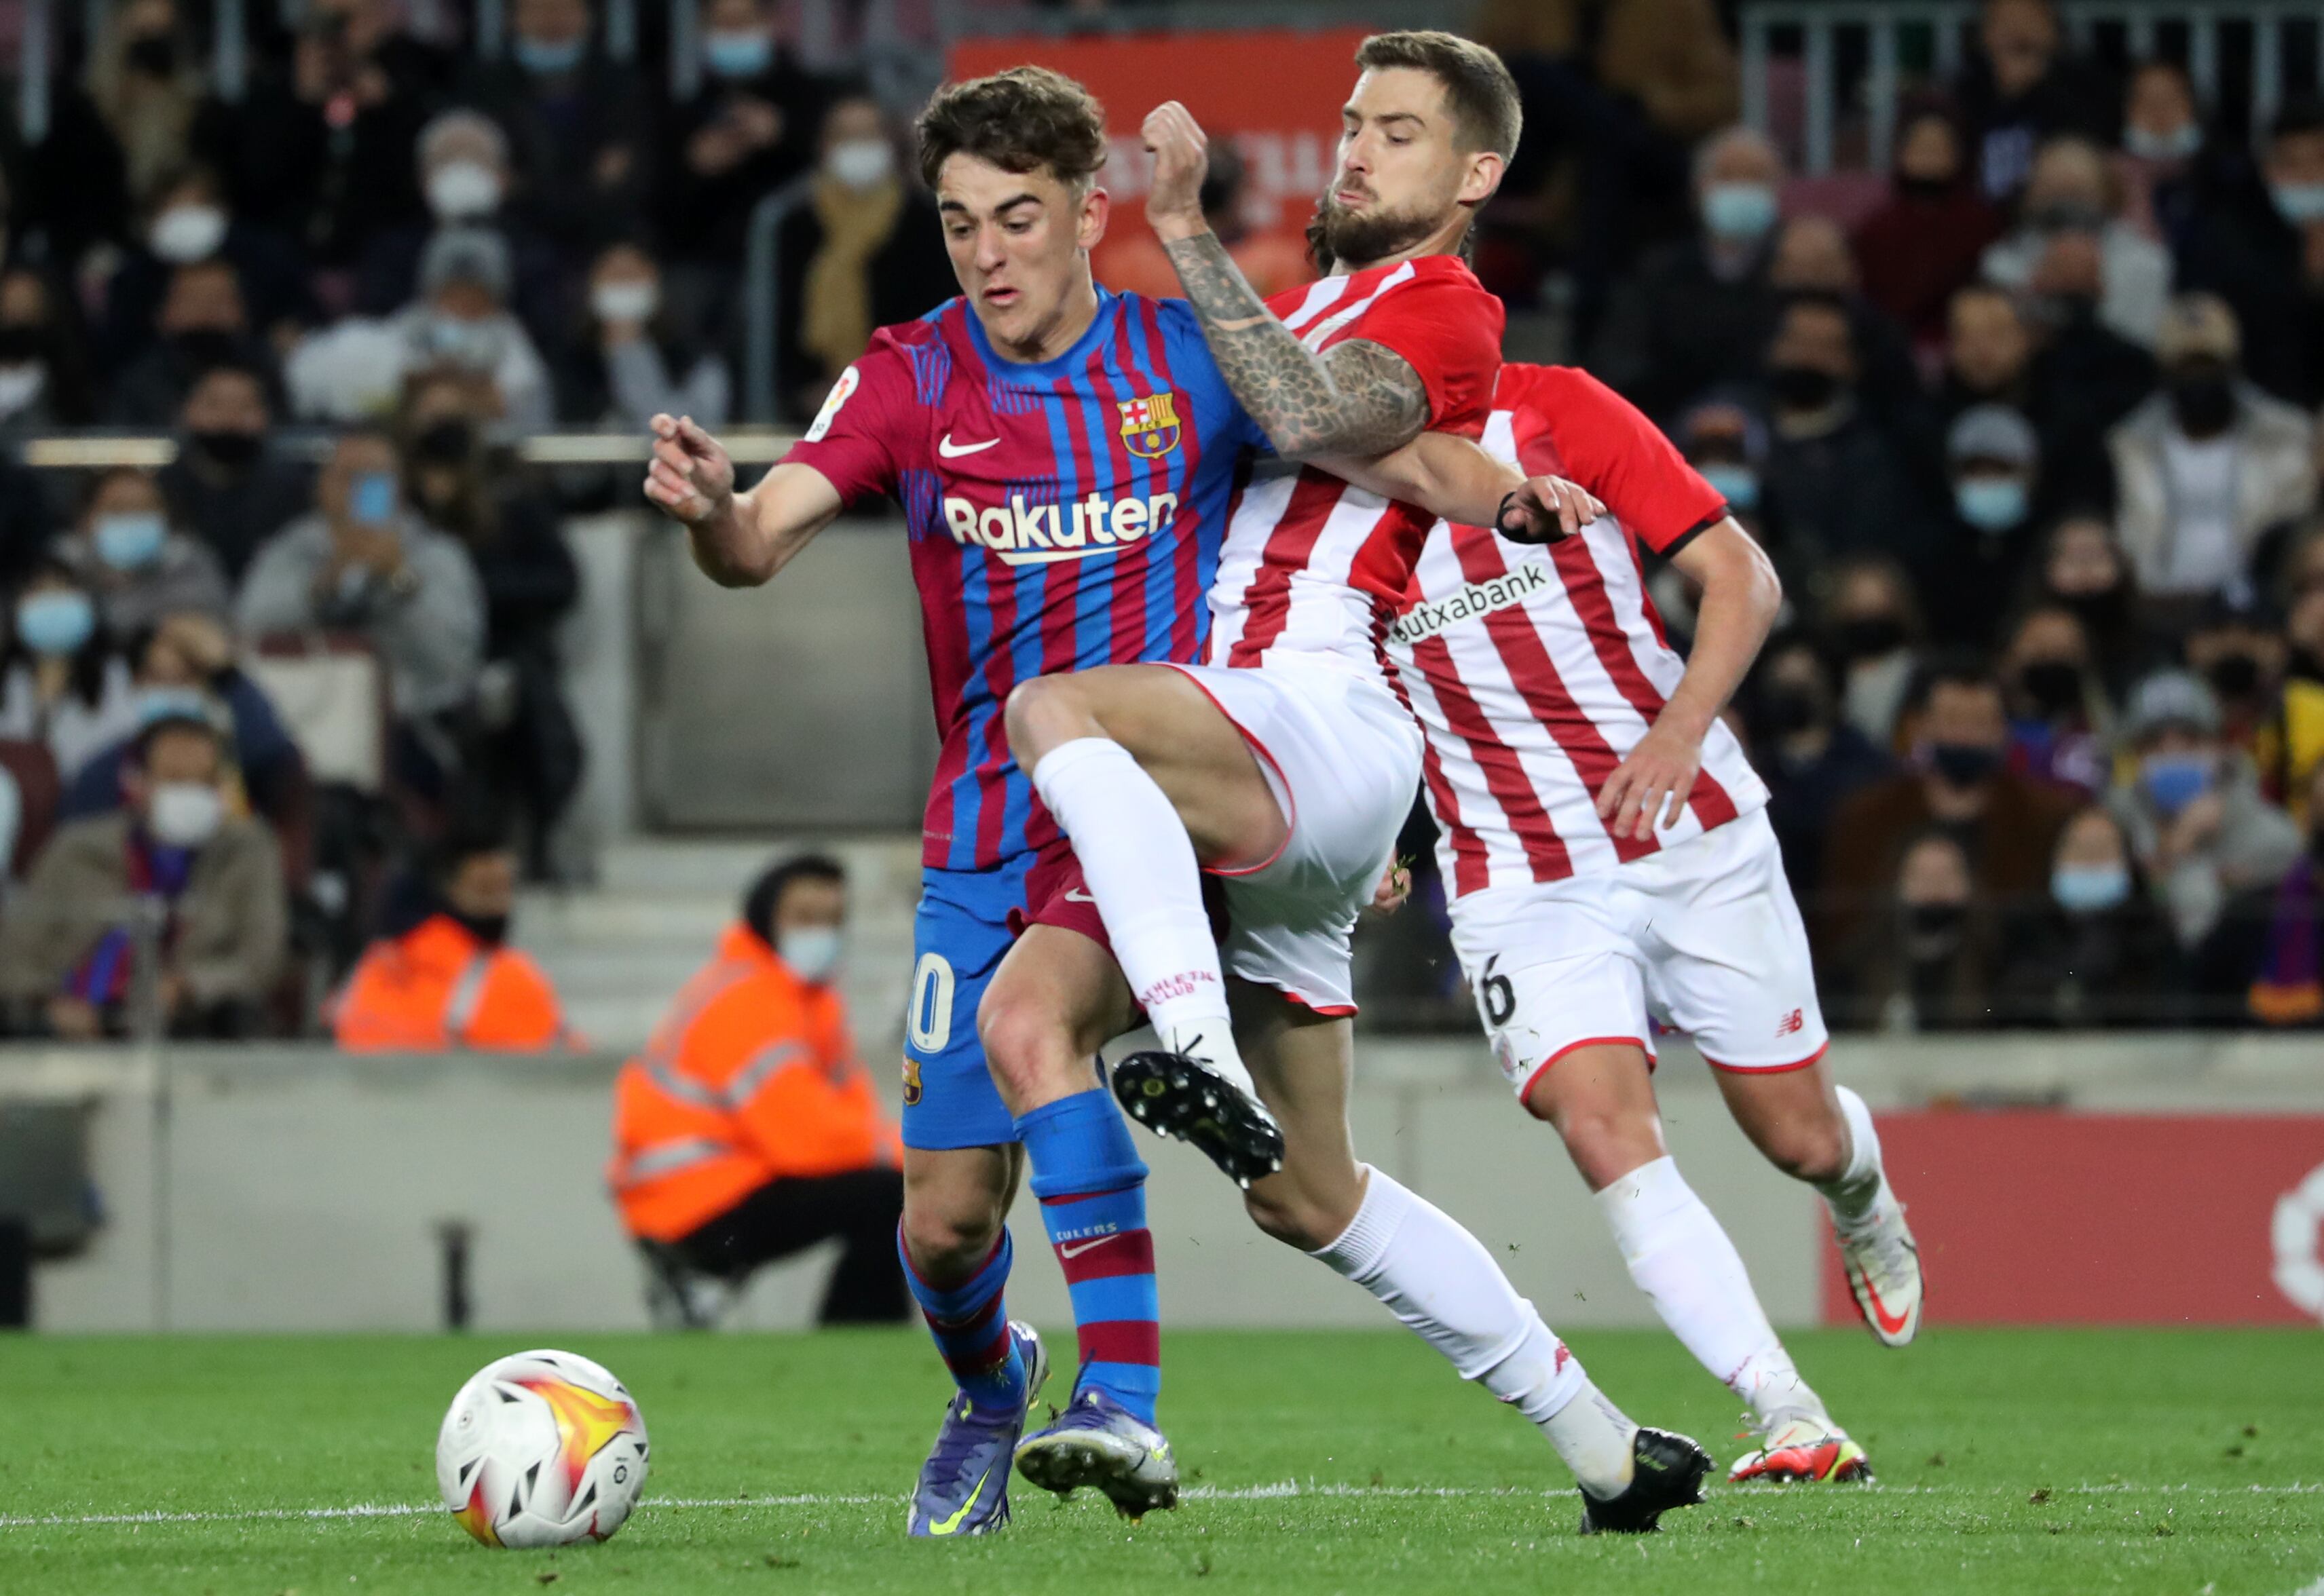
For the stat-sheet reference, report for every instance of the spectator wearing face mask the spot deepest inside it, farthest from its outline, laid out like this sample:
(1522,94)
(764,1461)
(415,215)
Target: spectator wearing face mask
(576,124)
(188,222)
(1810,759)
(748,1130)
(463,167)
(1956,725)
(1810,255)
(140,568)
(2192,805)
(1872,624)
(2021,86)
(322,153)
(44,381)
(748,128)
(864,251)
(2071,249)
(1925,963)
(517,737)
(363,562)
(2260,246)
(2071,385)
(450,979)
(1925,240)
(629,365)
(2093,950)
(203,321)
(2291,744)
(1698,313)
(1839,482)
(2234,645)
(226,488)
(63,683)
(2208,468)
(145,76)
(210,880)
(2082,569)
(2059,717)
(2160,169)
(1993,473)
(2263,964)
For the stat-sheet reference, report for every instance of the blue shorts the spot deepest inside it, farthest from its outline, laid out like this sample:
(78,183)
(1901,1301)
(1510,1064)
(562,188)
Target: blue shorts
(959,936)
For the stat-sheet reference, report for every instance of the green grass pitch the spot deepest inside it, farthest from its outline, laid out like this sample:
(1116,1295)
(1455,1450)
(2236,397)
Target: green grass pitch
(2009,1462)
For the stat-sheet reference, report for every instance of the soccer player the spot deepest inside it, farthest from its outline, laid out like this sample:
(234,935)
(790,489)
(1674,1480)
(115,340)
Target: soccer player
(1065,457)
(1286,765)
(1609,863)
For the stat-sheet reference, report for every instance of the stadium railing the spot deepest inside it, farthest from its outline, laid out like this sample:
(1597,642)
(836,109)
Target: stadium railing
(1805,62)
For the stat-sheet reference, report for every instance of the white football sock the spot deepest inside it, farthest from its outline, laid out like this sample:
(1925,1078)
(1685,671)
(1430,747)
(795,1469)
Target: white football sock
(1682,1259)
(1857,1190)
(1141,869)
(1440,1284)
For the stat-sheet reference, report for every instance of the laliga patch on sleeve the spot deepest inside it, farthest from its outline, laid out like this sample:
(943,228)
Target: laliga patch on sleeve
(838,397)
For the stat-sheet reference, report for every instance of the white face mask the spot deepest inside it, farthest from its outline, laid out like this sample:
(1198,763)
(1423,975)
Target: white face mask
(184,813)
(188,233)
(859,163)
(812,952)
(459,188)
(625,301)
(19,385)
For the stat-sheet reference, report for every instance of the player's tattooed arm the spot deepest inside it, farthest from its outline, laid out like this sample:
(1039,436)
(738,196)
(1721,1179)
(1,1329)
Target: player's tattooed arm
(1357,398)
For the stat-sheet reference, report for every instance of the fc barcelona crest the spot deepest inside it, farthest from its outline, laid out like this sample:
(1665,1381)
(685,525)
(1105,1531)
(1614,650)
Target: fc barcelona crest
(1149,426)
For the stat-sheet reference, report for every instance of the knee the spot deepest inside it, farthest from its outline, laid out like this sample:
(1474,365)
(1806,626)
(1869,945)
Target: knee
(1039,714)
(1805,1149)
(1607,1143)
(1025,1044)
(948,1242)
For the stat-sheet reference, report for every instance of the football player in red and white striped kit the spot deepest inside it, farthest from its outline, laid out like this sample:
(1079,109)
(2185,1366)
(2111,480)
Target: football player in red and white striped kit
(1285,764)
(1609,866)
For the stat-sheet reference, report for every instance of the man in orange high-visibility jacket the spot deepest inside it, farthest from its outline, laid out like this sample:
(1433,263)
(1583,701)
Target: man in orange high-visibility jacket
(749,1129)
(448,982)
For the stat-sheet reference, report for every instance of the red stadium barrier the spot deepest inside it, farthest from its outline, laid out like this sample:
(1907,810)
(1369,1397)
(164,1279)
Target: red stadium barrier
(1278,92)
(2031,1217)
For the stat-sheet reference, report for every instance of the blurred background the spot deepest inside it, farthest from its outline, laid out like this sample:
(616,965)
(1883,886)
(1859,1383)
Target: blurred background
(375,771)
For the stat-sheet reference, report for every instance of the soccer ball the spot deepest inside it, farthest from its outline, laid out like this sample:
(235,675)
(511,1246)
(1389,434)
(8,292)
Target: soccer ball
(541,1449)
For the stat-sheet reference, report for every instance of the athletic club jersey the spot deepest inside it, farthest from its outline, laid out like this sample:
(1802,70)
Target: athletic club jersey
(1535,670)
(1314,566)
(1062,516)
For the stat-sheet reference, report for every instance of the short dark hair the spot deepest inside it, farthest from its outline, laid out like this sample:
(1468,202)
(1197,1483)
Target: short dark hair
(2296,116)
(765,897)
(478,825)
(1952,669)
(1477,88)
(141,751)
(1023,120)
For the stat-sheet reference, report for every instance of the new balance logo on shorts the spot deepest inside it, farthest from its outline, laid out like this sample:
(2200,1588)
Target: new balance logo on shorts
(1791,1024)
(1431,616)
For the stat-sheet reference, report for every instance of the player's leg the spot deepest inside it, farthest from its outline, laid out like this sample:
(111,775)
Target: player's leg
(1432,1274)
(1150,779)
(1057,998)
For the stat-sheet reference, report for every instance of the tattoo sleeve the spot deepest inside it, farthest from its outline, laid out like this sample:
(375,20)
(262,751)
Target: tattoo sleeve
(1356,398)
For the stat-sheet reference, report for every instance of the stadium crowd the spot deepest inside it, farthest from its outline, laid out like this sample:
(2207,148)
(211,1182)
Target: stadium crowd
(2030,429)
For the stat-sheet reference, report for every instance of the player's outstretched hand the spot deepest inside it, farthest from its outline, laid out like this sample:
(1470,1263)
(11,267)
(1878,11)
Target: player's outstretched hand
(1395,887)
(1546,508)
(1173,204)
(1651,786)
(691,478)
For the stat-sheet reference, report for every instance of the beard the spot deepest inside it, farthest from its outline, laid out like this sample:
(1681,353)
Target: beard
(1361,237)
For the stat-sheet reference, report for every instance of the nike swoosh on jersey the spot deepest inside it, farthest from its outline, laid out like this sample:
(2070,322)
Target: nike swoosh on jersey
(1076,1249)
(1075,895)
(953,451)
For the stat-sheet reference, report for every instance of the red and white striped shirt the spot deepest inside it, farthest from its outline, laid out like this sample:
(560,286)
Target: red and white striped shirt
(1317,567)
(1535,670)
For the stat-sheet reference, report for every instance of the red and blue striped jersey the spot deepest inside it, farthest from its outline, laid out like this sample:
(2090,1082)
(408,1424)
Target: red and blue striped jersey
(1062,515)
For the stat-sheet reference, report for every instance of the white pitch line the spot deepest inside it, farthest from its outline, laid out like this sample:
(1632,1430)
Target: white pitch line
(1279,1491)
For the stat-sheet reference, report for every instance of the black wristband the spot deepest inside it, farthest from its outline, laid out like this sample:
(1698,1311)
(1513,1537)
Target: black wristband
(1524,534)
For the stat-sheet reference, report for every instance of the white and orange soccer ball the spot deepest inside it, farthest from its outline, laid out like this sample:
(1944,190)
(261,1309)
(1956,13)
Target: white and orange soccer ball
(541,1449)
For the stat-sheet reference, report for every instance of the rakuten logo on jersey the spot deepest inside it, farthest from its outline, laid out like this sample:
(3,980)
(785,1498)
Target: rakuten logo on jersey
(1027,534)
(1431,616)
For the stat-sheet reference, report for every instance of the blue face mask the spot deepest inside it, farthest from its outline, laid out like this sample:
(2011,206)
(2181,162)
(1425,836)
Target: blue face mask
(1737,485)
(165,702)
(2298,203)
(55,622)
(370,498)
(2177,144)
(737,52)
(130,540)
(2089,889)
(1739,212)
(2174,780)
(1990,504)
(545,57)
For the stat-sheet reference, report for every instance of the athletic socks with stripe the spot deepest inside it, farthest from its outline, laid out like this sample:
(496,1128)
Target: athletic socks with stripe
(970,1324)
(1092,1184)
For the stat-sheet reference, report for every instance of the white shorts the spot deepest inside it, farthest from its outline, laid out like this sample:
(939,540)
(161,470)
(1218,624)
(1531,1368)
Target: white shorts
(1703,938)
(1343,760)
